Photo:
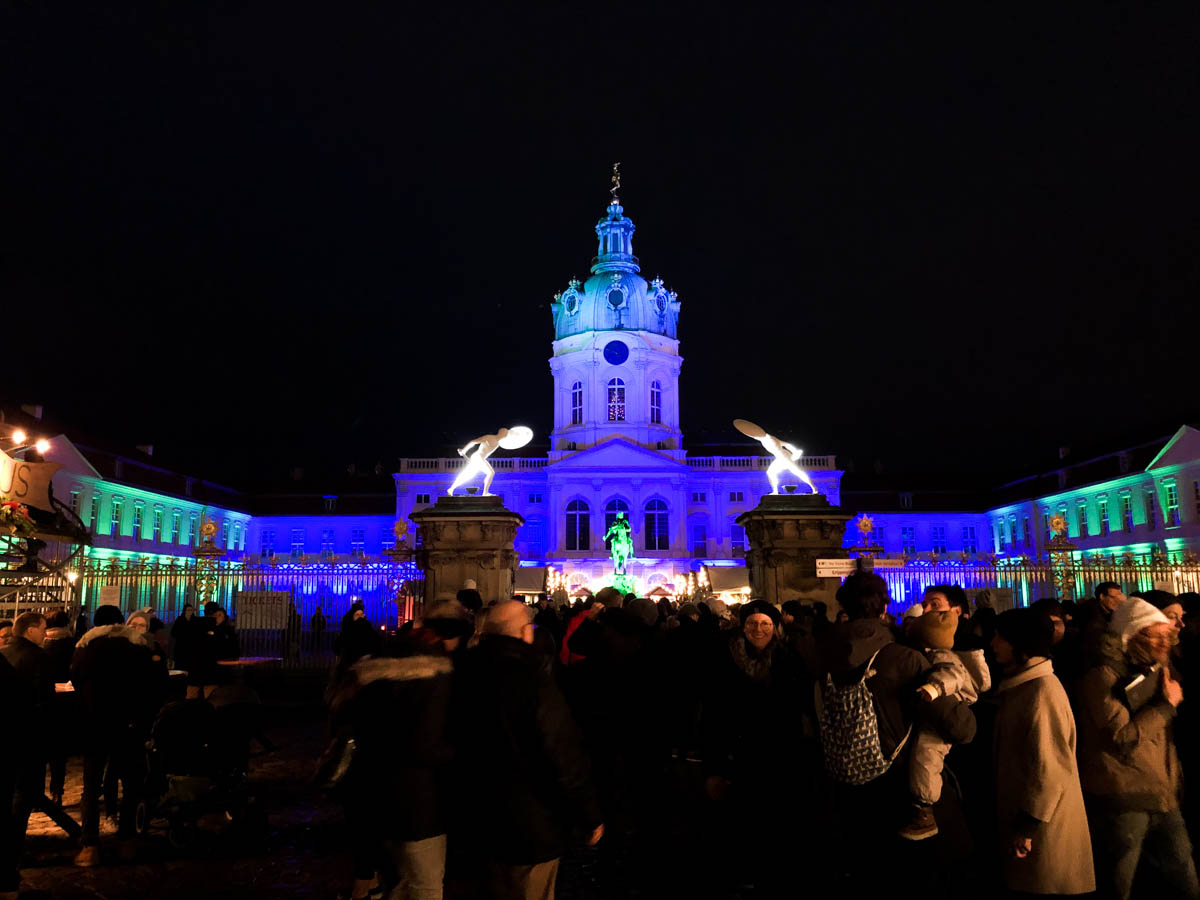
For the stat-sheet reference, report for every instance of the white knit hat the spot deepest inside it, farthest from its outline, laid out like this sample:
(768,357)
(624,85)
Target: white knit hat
(1132,616)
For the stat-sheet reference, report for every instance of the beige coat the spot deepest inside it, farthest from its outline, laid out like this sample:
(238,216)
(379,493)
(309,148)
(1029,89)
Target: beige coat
(1037,779)
(1127,760)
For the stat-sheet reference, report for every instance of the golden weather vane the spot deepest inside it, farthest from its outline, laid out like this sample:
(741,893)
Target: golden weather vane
(616,183)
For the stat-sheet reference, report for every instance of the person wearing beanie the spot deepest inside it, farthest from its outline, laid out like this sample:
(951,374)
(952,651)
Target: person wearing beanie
(962,676)
(1040,815)
(1128,703)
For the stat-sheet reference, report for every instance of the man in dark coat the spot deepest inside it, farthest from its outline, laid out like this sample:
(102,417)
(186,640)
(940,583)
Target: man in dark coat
(30,713)
(120,689)
(398,709)
(525,772)
(863,650)
(10,846)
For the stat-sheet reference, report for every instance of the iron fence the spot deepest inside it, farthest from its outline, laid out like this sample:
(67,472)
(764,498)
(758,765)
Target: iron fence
(1022,584)
(273,605)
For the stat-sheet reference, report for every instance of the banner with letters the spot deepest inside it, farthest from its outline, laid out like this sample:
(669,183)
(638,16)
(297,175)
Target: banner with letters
(26,482)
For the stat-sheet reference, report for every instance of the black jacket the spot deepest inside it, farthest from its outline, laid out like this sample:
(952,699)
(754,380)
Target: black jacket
(899,671)
(35,684)
(60,645)
(118,683)
(398,710)
(526,779)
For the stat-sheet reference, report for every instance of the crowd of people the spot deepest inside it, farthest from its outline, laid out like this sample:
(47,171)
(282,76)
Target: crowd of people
(1034,751)
(948,750)
(116,673)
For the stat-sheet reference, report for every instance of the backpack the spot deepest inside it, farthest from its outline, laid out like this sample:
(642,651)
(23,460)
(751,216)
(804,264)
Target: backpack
(850,731)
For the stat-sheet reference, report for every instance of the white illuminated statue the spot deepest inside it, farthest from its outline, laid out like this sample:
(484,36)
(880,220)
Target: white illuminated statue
(785,455)
(509,438)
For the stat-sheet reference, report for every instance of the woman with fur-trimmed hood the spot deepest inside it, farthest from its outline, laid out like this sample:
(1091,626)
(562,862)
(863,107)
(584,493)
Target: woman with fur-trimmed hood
(397,709)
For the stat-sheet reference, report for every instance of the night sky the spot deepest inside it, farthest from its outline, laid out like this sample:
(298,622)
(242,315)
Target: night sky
(256,236)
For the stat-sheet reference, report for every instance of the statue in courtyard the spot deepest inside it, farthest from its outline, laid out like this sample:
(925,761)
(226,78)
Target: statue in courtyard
(509,438)
(785,455)
(621,535)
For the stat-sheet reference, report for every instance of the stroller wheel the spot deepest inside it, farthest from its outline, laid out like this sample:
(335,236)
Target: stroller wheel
(141,818)
(181,834)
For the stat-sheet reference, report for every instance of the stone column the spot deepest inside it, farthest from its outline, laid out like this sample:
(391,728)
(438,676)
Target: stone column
(468,537)
(787,534)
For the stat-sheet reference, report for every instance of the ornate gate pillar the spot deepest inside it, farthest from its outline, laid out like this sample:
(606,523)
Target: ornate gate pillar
(788,533)
(468,537)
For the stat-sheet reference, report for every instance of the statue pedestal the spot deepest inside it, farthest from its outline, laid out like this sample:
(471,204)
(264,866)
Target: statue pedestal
(468,537)
(788,533)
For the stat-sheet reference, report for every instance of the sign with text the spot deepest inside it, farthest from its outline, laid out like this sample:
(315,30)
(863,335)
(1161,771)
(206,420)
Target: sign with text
(26,482)
(263,609)
(110,595)
(840,568)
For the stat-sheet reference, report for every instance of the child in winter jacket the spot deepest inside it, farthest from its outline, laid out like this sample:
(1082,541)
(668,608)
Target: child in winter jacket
(962,674)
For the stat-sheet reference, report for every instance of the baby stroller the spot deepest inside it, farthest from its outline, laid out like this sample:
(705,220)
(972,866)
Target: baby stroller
(198,764)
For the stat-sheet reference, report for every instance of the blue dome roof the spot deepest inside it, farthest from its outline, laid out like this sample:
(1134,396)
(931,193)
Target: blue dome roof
(615,297)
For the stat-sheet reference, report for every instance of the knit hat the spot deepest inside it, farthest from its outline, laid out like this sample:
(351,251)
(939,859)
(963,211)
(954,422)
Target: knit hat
(1029,631)
(644,609)
(914,611)
(1132,616)
(759,606)
(718,608)
(449,619)
(109,615)
(934,629)
(1158,599)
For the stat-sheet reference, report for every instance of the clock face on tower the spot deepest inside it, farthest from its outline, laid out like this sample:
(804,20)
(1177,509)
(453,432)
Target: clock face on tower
(615,353)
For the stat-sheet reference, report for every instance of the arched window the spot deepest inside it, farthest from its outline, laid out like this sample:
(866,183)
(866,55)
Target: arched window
(656,403)
(579,532)
(616,400)
(611,509)
(658,532)
(577,403)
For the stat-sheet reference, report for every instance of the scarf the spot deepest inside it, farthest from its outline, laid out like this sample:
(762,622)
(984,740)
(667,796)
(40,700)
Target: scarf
(755,663)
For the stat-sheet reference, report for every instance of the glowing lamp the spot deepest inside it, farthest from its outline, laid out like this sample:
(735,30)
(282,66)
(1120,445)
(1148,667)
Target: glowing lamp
(42,445)
(72,577)
(19,436)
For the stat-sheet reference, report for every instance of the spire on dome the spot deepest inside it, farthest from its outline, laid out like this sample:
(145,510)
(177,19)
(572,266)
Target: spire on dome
(615,231)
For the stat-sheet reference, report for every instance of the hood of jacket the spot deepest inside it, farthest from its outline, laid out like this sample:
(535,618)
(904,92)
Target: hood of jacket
(123,632)
(849,645)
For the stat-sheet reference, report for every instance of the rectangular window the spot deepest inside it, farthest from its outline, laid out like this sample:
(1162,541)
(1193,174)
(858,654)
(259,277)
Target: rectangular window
(75,502)
(1026,531)
(358,542)
(1102,510)
(94,517)
(237,531)
(535,498)
(699,497)
(174,526)
(655,403)
(1171,506)
(578,529)
(388,542)
(736,497)
(1083,518)
(191,533)
(225,533)
(1127,511)
(424,498)
(699,540)
(266,544)
(908,540)
(969,545)
(1045,525)
(577,403)
(135,529)
(737,540)
(327,543)
(939,539)
(616,400)
(330,503)
(1151,504)
(997,537)
(156,526)
(115,518)
(297,544)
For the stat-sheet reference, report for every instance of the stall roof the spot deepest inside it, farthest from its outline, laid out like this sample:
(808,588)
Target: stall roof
(530,580)
(728,578)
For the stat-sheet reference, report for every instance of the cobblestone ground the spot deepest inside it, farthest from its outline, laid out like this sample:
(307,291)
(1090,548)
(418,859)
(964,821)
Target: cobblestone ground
(302,852)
